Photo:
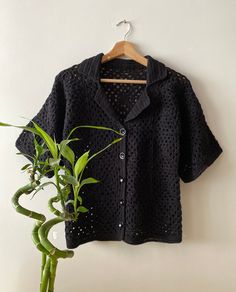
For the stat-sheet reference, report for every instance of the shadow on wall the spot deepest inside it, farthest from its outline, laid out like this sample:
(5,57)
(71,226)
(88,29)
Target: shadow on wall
(204,201)
(24,281)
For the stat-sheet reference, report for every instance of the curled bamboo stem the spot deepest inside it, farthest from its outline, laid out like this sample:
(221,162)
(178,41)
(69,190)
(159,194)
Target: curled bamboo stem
(15,202)
(52,208)
(29,213)
(40,231)
(40,218)
(55,252)
(35,237)
(66,216)
(39,246)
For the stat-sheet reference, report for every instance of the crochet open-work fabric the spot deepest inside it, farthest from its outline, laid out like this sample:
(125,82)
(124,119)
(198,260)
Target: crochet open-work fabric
(166,138)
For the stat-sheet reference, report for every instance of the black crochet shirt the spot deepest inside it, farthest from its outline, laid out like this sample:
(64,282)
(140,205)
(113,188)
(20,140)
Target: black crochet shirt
(166,137)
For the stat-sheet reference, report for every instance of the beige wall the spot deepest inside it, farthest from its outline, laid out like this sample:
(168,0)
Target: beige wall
(197,38)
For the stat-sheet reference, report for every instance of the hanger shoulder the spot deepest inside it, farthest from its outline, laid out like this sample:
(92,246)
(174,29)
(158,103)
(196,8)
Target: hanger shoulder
(124,48)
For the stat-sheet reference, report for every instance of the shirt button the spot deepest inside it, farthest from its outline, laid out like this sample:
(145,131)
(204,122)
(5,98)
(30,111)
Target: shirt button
(121,202)
(122,155)
(120,224)
(121,179)
(122,131)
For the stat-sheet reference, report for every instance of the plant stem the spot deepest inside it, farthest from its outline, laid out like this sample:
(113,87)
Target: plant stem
(39,246)
(15,202)
(76,192)
(43,263)
(65,216)
(55,252)
(46,273)
(35,237)
(53,268)
(52,208)
(59,189)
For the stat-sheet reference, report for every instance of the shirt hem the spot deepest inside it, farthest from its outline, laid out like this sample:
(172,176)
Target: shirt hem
(71,244)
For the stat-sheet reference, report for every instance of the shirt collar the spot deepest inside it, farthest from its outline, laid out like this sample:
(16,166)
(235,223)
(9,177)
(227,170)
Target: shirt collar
(156,71)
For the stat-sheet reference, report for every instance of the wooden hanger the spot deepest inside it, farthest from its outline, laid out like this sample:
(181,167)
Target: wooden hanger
(124,48)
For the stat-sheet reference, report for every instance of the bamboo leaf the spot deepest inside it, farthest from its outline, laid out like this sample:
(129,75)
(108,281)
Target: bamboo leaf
(70,179)
(94,127)
(41,187)
(67,141)
(82,209)
(39,148)
(4,124)
(116,140)
(34,130)
(100,128)
(67,152)
(89,180)
(21,153)
(65,192)
(25,166)
(70,202)
(53,162)
(48,140)
(54,139)
(81,163)
(30,129)
(80,199)
(109,145)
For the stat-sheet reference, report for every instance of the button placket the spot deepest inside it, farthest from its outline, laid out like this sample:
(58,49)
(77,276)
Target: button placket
(122,182)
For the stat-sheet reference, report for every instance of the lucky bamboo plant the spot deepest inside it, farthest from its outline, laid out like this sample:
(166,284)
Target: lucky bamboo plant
(65,180)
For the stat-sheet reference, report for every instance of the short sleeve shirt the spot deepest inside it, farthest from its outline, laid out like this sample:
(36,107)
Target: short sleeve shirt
(166,139)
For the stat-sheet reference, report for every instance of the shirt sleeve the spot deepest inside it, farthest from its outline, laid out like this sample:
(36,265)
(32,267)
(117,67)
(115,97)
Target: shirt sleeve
(199,147)
(50,118)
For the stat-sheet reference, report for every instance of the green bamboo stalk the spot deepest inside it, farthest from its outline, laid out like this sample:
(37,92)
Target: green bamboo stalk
(35,237)
(43,263)
(55,252)
(27,189)
(52,208)
(66,216)
(20,209)
(51,257)
(59,189)
(53,268)
(46,274)
(39,246)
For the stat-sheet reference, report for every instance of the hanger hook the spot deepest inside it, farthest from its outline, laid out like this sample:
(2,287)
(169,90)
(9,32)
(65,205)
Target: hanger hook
(129,29)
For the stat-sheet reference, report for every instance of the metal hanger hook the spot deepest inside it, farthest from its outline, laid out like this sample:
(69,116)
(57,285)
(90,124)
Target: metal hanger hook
(129,29)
